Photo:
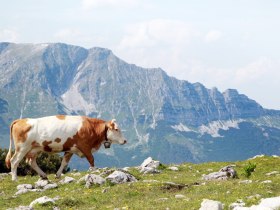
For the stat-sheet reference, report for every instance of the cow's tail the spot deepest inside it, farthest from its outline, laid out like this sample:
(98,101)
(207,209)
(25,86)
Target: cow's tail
(9,154)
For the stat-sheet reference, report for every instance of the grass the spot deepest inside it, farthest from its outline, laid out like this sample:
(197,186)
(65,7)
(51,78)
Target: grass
(155,194)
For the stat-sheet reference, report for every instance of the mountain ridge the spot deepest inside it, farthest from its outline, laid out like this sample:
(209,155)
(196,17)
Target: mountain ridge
(159,113)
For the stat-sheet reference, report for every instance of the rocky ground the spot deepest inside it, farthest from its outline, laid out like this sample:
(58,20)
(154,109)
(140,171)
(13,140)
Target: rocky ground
(152,185)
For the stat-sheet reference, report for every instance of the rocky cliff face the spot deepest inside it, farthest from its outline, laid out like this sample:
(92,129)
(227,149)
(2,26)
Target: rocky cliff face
(171,119)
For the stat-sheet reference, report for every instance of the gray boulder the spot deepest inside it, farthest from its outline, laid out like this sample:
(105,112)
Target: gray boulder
(118,177)
(42,200)
(91,179)
(149,166)
(67,180)
(223,174)
(211,205)
(41,183)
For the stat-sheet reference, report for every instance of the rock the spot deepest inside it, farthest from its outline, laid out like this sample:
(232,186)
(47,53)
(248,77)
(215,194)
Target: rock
(67,180)
(22,208)
(91,179)
(265,204)
(149,166)
(266,182)
(180,196)
(41,183)
(223,174)
(119,177)
(22,191)
(75,170)
(126,168)
(24,186)
(50,186)
(273,203)
(245,181)
(76,174)
(42,200)
(272,173)
(173,168)
(256,156)
(211,205)
(162,199)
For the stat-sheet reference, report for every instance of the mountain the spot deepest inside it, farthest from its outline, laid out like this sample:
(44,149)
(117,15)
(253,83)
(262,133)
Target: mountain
(170,119)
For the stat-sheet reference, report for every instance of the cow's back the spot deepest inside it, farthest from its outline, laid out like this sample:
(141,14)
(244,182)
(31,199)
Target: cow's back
(54,129)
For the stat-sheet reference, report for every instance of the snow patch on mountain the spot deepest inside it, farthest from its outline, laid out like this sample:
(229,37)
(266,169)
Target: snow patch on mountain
(181,127)
(73,100)
(214,127)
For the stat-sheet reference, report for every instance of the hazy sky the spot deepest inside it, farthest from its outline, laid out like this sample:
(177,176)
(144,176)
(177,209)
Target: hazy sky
(221,43)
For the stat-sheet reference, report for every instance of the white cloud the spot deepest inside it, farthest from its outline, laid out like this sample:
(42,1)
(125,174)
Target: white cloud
(8,35)
(91,4)
(213,36)
(156,43)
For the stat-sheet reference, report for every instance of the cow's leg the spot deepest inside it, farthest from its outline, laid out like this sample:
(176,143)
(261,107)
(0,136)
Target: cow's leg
(15,160)
(33,163)
(66,158)
(90,158)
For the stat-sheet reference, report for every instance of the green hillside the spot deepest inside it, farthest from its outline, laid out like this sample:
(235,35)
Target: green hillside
(152,191)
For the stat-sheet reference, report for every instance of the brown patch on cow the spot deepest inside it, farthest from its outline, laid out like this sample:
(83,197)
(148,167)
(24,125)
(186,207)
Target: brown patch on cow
(35,144)
(57,140)
(46,146)
(61,117)
(90,136)
(20,130)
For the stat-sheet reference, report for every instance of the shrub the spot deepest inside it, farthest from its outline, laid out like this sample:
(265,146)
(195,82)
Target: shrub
(49,163)
(249,169)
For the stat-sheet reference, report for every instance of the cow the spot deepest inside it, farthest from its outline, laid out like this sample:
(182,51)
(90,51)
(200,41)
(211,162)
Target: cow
(78,135)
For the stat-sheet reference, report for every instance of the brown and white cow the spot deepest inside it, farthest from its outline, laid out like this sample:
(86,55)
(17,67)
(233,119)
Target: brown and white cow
(71,134)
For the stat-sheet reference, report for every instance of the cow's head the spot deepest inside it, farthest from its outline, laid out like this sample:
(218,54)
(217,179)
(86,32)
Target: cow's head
(114,134)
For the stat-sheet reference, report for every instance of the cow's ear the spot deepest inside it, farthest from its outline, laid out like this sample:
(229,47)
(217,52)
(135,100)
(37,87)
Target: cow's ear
(111,124)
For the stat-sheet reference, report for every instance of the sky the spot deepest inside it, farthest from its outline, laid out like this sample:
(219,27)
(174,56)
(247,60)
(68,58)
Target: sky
(219,43)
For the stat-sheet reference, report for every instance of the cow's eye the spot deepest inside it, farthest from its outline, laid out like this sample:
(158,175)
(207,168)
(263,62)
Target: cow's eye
(116,129)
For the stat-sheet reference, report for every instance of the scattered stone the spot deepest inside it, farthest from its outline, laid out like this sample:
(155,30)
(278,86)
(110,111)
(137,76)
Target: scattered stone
(150,181)
(173,168)
(180,196)
(91,179)
(41,183)
(246,181)
(22,208)
(223,174)
(75,170)
(22,191)
(172,186)
(42,200)
(76,174)
(266,182)
(238,203)
(273,203)
(211,205)
(272,173)
(67,180)
(126,168)
(149,166)
(275,156)
(265,204)
(24,186)
(119,177)
(257,156)
(50,186)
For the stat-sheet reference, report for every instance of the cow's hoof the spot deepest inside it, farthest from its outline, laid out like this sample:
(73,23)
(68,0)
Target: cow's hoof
(44,178)
(57,176)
